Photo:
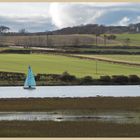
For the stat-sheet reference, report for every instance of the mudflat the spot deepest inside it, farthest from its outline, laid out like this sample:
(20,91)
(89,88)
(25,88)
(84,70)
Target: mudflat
(90,103)
(95,128)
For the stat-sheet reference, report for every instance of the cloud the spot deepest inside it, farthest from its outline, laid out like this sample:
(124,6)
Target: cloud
(64,15)
(30,24)
(124,21)
(32,16)
(137,20)
(72,14)
(24,9)
(49,16)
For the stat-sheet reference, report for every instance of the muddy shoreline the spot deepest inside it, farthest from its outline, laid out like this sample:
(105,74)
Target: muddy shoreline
(67,129)
(88,103)
(95,128)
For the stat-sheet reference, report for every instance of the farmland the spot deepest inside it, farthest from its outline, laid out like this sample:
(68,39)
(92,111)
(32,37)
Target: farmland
(134,38)
(57,64)
(83,44)
(54,40)
(70,40)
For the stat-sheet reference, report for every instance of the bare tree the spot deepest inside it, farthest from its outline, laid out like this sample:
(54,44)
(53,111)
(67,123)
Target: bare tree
(97,35)
(105,39)
(76,41)
(127,41)
(47,39)
(3,29)
(50,43)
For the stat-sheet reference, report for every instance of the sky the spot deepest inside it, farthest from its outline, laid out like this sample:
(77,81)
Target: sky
(45,16)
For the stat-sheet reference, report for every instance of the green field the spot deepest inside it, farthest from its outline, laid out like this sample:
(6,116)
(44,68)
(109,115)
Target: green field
(134,39)
(120,39)
(56,64)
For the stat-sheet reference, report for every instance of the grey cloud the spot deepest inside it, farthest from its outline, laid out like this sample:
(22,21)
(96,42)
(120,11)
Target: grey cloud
(32,24)
(76,14)
(69,14)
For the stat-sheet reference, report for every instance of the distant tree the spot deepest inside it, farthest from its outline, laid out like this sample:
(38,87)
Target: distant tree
(120,79)
(50,41)
(105,78)
(76,41)
(86,80)
(4,29)
(134,78)
(111,37)
(40,41)
(97,35)
(67,77)
(105,38)
(22,31)
(127,41)
(47,36)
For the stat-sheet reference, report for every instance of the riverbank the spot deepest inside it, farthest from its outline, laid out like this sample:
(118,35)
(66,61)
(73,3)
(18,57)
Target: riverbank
(89,103)
(67,129)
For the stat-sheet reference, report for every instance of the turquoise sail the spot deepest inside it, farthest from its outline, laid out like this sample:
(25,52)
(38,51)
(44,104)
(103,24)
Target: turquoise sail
(30,80)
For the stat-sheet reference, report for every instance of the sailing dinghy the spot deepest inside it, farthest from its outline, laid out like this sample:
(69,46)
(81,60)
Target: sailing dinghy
(30,80)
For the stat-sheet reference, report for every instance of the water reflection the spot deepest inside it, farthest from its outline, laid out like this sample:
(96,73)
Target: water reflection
(117,117)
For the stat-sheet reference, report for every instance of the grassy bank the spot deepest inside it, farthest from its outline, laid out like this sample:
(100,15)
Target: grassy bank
(52,104)
(67,129)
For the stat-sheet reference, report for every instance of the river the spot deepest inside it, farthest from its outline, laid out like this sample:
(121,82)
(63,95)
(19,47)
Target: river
(70,91)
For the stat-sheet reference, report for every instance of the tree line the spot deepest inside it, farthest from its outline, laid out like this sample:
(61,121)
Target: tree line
(67,79)
(27,39)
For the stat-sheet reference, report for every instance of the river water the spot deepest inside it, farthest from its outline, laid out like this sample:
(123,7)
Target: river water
(117,117)
(69,91)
